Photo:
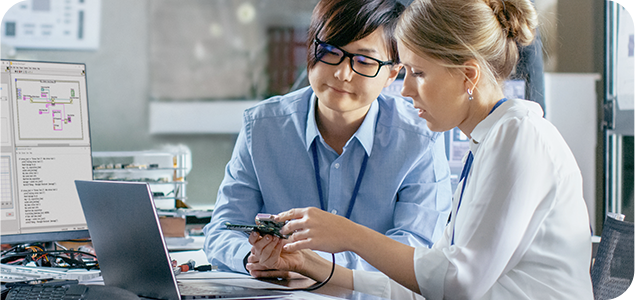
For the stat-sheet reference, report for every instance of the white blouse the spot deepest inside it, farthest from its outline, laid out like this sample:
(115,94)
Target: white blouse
(522,229)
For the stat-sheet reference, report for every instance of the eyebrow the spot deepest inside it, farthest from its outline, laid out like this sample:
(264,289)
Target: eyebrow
(366,50)
(369,52)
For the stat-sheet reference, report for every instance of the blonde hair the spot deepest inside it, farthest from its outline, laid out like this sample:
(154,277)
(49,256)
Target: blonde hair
(455,31)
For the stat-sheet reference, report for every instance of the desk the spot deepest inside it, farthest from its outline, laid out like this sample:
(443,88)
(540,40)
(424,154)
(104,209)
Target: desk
(238,279)
(245,280)
(331,290)
(297,282)
(328,289)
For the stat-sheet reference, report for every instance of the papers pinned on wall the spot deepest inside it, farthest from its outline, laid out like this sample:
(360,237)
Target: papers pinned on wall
(52,24)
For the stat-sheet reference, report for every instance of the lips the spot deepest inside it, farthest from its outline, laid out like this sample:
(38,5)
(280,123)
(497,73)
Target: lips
(339,90)
(421,111)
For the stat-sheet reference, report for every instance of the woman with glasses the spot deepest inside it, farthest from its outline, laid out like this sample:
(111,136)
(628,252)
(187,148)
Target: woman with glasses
(519,227)
(339,145)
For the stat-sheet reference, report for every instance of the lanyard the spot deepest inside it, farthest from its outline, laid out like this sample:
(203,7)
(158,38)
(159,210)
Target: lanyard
(466,170)
(316,164)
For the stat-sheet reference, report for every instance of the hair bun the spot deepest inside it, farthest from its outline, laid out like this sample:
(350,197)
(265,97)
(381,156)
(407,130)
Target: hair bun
(517,18)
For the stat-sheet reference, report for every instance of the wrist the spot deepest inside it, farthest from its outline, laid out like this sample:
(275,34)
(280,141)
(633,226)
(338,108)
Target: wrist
(314,266)
(356,242)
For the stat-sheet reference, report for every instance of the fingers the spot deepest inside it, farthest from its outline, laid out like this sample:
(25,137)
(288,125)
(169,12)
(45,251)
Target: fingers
(299,245)
(291,214)
(300,218)
(266,251)
(254,237)
(270,254)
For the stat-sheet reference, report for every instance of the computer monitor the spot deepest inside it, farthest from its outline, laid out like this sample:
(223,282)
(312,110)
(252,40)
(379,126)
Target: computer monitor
(45,143)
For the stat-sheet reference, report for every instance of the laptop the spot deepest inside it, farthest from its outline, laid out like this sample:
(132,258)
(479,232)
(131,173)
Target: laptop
(124,228)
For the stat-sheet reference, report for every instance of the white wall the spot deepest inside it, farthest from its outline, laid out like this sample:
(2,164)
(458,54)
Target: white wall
(570,105)
(118,95)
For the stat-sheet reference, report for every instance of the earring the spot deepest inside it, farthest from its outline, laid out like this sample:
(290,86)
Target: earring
(469,93)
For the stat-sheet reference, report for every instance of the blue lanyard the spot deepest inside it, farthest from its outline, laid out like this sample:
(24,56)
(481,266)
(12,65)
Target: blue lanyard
(316,164)
(466,170)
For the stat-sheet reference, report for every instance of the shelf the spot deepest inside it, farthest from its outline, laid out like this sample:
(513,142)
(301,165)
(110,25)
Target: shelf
(198,117)
(163,171)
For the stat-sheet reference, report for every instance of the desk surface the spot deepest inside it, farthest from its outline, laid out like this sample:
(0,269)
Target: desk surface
(297,282)
(246,280)
(328,289)
(228,278)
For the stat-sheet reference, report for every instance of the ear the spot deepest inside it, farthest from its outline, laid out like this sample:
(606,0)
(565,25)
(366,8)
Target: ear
(472,73)
(394,71)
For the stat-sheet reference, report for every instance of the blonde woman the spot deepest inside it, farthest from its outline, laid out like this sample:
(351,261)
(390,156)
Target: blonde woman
(519,227)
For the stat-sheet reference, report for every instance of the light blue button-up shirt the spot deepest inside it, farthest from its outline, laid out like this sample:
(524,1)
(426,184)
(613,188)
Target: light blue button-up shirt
(405,192)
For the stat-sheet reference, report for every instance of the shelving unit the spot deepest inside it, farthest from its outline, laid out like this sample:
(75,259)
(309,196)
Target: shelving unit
(165,171)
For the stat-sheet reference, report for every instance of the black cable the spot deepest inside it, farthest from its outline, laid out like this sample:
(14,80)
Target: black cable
(10,250)
(74,263)
(314,286)
(48,252)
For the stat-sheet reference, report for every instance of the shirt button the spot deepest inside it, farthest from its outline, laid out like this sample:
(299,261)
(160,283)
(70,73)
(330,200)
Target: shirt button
(337,165)
(334,211)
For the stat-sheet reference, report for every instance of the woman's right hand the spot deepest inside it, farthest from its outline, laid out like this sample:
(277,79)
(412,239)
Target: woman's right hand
(315,229)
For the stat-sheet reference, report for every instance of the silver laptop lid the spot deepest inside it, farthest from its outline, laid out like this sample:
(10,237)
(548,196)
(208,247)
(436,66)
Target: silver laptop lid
(125,231)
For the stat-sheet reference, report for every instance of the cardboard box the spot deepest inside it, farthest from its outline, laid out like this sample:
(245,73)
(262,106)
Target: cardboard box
(172,226)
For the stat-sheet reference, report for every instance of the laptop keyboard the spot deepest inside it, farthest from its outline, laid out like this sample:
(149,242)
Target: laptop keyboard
(64,292)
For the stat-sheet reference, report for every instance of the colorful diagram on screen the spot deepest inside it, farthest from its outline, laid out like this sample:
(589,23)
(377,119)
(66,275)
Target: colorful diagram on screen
(48,109)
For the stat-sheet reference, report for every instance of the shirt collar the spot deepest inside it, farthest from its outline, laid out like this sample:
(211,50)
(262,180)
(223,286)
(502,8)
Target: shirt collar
(482,128)
(365,134)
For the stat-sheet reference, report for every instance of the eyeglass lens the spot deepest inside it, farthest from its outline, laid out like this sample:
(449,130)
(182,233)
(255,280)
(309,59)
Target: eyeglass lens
(334,56)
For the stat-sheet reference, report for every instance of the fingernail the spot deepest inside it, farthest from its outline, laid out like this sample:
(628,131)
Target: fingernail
(268,237)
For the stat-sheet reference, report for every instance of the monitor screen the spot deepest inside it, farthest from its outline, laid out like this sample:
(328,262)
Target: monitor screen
(45,147)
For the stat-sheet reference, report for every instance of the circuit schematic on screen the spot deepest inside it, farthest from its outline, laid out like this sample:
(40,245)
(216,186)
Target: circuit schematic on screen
(48,109)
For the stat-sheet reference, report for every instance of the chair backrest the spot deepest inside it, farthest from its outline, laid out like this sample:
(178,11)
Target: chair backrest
(612,271)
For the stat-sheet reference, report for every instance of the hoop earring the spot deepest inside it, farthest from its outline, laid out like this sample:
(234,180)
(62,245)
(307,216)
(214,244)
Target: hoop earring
(469,94)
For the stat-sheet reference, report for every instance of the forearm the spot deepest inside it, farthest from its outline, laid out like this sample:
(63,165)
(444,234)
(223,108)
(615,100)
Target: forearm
(387,255)
(226,249)
(316,267)
(312,228)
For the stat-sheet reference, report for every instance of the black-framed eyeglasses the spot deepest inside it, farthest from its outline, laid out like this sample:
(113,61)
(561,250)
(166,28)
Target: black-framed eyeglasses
(360,64)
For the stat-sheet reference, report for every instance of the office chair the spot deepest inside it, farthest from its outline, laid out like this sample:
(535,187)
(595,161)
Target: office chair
(612,271)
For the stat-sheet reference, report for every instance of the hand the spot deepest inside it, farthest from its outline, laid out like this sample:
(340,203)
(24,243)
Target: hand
(315,229)
(268,259)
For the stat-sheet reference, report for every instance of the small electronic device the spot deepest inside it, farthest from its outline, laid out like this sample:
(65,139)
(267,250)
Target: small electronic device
(265,224)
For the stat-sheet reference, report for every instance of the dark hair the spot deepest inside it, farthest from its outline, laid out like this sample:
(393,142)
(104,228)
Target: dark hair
(340,22)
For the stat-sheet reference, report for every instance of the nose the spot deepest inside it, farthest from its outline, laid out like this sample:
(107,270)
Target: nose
(409,87)
(344,70)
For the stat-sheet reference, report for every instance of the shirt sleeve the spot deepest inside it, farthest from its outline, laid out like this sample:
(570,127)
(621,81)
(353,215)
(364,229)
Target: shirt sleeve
(239,200)
(380,285)
(505,200)
(424,199)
